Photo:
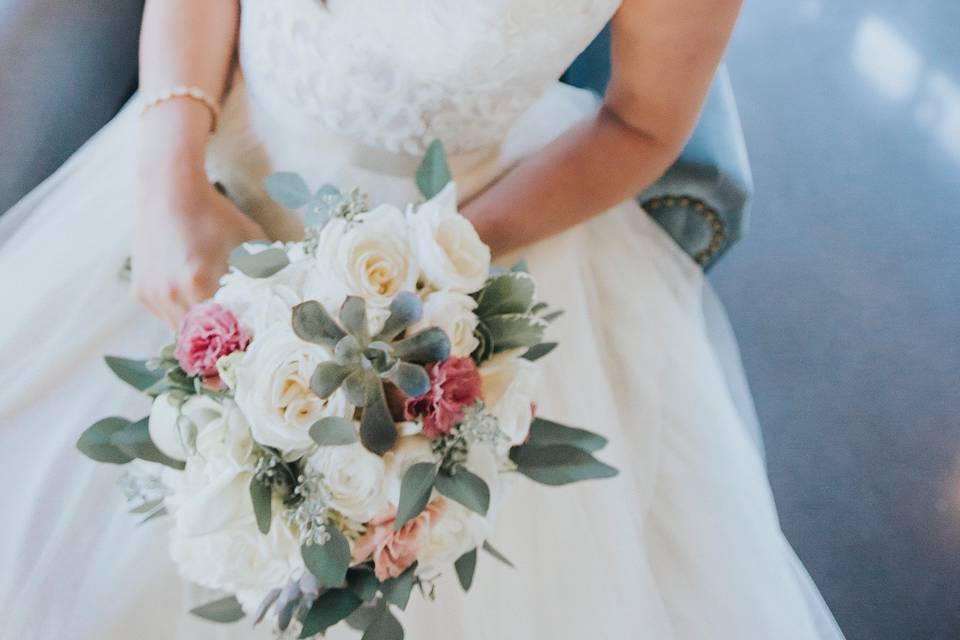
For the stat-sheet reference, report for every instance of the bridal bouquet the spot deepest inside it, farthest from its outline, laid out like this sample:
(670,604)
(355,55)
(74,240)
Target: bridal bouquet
(339,422)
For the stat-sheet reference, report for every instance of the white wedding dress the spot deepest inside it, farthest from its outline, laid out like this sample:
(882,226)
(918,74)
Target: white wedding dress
(683,545)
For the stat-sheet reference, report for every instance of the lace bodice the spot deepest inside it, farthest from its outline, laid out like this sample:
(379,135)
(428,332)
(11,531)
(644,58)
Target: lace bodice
(397,74)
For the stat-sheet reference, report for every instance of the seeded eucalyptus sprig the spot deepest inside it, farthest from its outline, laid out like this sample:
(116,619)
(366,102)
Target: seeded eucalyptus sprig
(362,363)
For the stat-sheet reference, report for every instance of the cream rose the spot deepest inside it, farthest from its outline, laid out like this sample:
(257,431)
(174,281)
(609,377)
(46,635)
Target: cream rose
(455,532)
(453,313)
(448,249)
(509,383)
(273,390)
(353,479)
(368,256)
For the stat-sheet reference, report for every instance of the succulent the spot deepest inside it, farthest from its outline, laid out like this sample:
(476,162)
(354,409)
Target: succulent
(362,362)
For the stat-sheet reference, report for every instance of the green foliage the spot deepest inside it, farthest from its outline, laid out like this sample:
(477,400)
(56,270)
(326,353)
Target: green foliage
(225,610)
(362,581)
(433,174)
(327,610)
(384,627)
(558,464)
(262,264)
(363,363)
(397,590)
(333,431)
(415,490)
(465,566)
(261,494)
(118,441)
(287,189)
(328,562)
(509,317)
(545,433)
(465,487)
(489,548)
(136,373)
(537,351)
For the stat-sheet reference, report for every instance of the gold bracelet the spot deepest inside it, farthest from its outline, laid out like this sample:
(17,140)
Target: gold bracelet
(190,93)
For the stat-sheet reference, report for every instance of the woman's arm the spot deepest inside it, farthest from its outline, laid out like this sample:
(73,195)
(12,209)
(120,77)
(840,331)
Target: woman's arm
(664,55)
(185,229)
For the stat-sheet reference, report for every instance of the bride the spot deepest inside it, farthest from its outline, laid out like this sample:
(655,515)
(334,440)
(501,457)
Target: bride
(684,544)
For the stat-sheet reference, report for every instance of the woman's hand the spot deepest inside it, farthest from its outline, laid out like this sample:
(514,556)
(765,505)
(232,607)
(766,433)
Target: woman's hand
(184,236)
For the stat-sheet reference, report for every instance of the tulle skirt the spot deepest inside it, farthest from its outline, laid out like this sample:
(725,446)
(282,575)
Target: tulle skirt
(684,544)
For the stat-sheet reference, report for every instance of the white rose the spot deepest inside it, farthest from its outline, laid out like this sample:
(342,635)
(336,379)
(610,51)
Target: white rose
(453,313)
(260,303)
(213,490)
(407,452)
(353,479)
(273,390)
(239,559)
(509,383)
(448,249)
(369,256)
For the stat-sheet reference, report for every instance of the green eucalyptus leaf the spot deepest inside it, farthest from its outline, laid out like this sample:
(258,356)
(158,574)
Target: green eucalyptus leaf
(558,464)
(520,266)
(287,189)
(537,351)
(397,590)
(405,310)
(433,174)
(412,379)
(327,378)
(259,265)
(415,489)
(96,444)
(312,323)
(134,440)
(134,372)
(363,617)
(328,562)
(489,548)
(507,293)
(465,487)
(545,433)
(261,494)
(333,431)
(424,347)
(327,610)
(363,582)
(353,318)
(384,627)
(466,565)
(515,331)
(377,429)
(225,610)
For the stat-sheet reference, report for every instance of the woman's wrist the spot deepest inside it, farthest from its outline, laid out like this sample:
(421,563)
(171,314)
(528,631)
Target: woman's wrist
(174,134)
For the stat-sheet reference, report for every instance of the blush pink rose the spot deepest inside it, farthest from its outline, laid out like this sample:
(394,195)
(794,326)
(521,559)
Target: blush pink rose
(393,551)
(454,385)
(207,333)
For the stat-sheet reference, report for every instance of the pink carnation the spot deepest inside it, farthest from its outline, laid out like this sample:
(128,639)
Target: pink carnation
(207,333)
(454,385)
(394,551)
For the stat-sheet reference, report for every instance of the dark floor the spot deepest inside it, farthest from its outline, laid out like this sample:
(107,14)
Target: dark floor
(846,297)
